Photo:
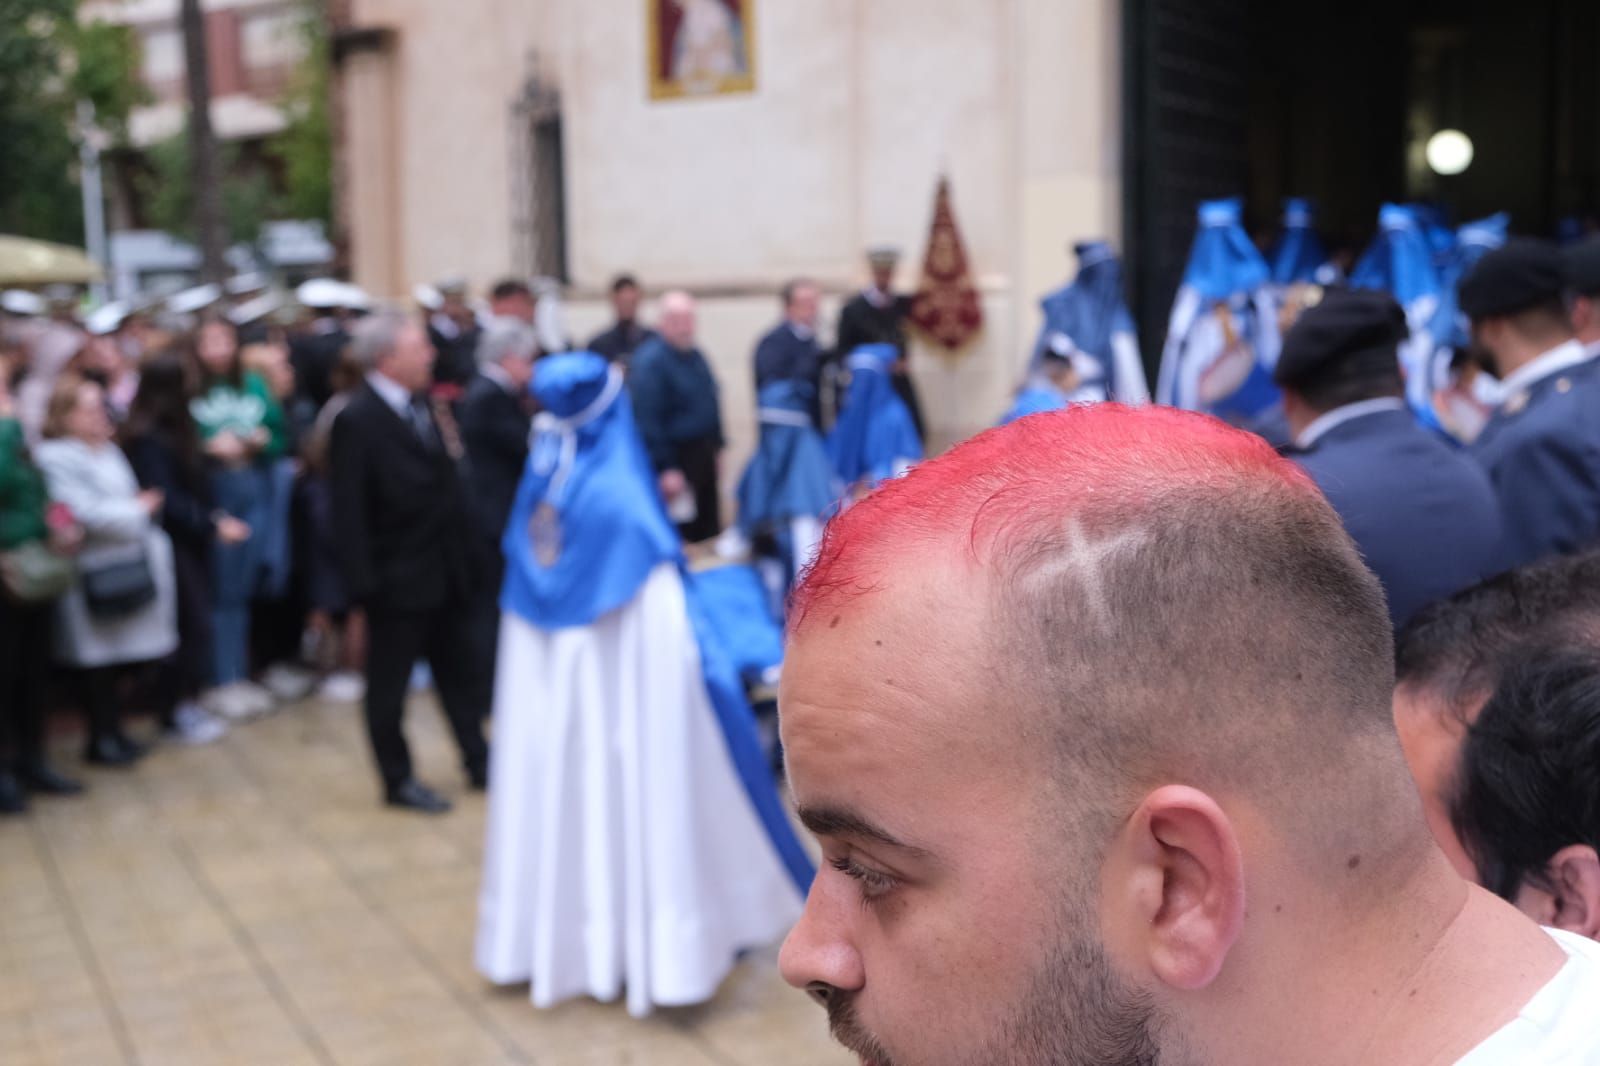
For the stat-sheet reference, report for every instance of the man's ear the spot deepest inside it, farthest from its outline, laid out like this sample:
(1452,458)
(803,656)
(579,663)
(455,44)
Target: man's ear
(1181,896)
(1574,875)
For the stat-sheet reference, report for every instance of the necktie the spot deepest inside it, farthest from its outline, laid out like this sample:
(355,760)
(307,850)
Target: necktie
(422,424)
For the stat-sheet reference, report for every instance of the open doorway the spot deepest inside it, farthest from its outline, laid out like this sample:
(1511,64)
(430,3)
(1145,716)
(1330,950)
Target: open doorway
(1267,100)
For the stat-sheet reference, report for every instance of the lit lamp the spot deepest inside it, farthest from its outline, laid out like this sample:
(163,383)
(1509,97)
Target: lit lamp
(1449,152)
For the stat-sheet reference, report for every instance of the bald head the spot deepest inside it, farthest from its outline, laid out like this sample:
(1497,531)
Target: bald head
(677,318)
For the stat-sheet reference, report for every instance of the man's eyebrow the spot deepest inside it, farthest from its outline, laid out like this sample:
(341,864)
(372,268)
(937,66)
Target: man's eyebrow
(839,822)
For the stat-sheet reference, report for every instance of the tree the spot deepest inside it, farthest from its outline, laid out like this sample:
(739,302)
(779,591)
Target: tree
(205,176)
(305,148)
(49,61)
(167,190)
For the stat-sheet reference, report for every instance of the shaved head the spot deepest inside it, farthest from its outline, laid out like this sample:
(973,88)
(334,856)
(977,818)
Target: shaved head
(1165,598)
(1122,669)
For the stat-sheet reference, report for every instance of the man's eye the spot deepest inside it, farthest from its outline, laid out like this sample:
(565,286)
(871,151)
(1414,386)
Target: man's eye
(874,885)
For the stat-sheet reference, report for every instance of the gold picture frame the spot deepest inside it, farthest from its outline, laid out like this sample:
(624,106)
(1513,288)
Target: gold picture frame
(723,62)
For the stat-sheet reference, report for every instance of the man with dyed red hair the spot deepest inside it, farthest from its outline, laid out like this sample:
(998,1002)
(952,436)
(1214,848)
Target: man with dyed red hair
(1091,718)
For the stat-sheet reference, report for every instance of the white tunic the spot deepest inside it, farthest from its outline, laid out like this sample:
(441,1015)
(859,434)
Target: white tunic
(622,850)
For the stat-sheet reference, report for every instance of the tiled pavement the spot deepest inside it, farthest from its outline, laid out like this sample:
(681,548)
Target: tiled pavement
(250,903)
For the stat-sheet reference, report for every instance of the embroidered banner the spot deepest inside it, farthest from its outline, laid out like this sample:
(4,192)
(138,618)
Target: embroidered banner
(946,309)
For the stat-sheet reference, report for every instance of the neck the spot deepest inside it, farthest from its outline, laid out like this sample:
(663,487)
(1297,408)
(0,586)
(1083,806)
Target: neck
(1431,973)
(1518,352)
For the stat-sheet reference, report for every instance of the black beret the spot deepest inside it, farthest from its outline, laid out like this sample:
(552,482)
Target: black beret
(1522,273)
(1583,266)
(1355,330)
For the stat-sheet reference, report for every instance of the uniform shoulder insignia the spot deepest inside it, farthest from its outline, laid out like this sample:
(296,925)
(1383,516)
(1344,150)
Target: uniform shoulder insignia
(1516,402)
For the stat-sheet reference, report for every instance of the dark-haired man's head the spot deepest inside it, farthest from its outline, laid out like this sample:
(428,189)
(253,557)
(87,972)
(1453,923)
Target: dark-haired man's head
(1057,705)
(513,298)
(1526,800)
(1514,298)
(625,297)
(801,298)
(1450,657)
(1583,287)
(1340,351)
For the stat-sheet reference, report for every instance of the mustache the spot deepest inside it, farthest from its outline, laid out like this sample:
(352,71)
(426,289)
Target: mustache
(848,1031)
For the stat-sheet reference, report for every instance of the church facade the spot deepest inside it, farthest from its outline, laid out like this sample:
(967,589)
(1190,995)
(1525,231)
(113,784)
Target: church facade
(725,146)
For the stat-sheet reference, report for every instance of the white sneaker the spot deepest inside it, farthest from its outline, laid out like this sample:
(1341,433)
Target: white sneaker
(257,699)
(345,686)
(288,683)
(230,701)
(192,726)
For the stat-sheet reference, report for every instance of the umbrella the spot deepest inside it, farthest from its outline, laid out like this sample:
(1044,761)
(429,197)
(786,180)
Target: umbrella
(29,262)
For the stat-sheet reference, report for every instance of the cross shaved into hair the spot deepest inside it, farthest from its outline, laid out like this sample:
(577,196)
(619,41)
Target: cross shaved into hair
(1085,559)
(1170,601)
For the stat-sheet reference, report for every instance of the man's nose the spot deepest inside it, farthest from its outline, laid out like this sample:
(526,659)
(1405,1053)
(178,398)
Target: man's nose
(818,955)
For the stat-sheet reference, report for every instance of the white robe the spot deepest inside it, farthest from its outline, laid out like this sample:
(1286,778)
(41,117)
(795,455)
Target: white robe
(622,848)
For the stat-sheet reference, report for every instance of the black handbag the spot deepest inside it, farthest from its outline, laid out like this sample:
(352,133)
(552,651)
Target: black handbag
(117,583)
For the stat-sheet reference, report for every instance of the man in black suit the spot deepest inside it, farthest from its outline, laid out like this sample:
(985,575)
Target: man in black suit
(494,429)
(877,315)
(626,334)
(407,553)
(789,352)
(453,332)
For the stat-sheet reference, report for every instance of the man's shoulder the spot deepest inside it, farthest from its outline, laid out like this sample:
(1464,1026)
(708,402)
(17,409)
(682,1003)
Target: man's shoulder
(1560,416)
(651,349)
(1556,1027)
(361,405)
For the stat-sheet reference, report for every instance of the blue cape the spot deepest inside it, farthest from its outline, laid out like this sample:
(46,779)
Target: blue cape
(1222,298)
(586,530)
(1223,262)
(1401,262)
(1036,398)
(1472,241)
(1090,311)
(790,474)
(874,437)
(1299,251)
(587,526)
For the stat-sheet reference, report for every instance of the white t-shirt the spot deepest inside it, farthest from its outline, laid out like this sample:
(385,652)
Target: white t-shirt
(1560,1026)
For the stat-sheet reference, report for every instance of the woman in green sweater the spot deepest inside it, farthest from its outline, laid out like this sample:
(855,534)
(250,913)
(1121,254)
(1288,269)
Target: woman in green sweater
(242,430)
(25,629)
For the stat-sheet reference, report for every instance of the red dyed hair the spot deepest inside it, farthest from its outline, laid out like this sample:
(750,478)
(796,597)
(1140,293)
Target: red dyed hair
(1105,463)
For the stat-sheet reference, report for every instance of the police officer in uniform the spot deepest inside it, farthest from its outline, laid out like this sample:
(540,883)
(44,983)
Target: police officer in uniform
(877,315)
(1422,513)
(1541,447)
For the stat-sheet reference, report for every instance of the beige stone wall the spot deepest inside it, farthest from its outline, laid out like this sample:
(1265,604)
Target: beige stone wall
(860,104)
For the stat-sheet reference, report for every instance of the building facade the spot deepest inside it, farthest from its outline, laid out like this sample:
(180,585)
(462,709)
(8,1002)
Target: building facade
(487,137)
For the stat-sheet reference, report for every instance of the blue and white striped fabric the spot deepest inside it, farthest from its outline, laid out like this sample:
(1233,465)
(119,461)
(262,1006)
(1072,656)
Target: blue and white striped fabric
(1222,339)
(1299,252)
(1401,262)
(1091,314)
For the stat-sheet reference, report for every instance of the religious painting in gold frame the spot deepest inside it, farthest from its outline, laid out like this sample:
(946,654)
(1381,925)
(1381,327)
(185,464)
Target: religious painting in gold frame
(701,47)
